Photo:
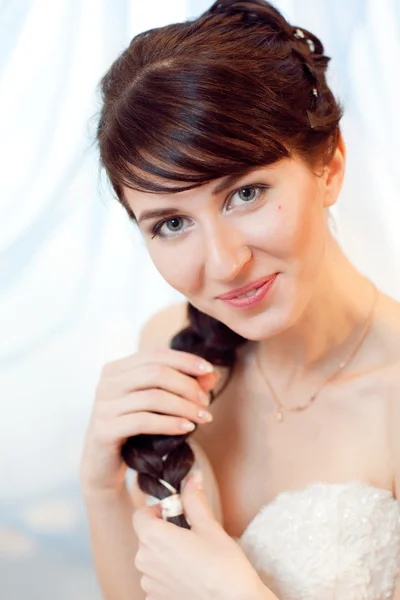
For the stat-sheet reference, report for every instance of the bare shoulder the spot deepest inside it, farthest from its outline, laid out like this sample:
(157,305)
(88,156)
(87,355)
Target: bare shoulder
(163,325)
(392,305)
(387,337)
(394,428)
(390,309)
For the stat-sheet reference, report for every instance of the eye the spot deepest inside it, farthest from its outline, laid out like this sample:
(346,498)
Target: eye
(248,194)
(172,227)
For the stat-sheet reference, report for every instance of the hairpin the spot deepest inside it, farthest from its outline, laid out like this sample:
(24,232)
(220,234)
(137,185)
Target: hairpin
(300,35)
(311,45)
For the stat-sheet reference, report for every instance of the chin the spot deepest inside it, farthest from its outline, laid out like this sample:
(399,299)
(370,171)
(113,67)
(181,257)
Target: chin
(267,322)
(258,327)
(255,333)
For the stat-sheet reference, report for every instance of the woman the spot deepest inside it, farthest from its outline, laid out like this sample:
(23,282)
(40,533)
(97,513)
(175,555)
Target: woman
(221,139)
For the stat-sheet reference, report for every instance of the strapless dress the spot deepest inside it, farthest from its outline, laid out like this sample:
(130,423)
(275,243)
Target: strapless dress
(324,542)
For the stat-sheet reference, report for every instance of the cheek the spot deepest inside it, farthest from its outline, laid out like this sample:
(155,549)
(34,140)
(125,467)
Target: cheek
(295,230)
(178,265)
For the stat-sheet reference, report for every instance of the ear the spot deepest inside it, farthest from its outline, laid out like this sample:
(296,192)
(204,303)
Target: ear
(332,178)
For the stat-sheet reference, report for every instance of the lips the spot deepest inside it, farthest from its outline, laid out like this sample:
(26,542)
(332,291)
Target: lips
(247,288)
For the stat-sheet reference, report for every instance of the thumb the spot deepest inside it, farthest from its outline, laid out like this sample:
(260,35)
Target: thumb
(142,518)
(194,501)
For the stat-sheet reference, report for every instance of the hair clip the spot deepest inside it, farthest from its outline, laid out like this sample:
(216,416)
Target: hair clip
(171,506)
(299,34)
(312,121)
(311,45)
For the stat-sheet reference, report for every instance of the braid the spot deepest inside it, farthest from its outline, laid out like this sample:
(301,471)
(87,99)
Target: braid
(209,338)
(304,45)
(157,457)
(253,12)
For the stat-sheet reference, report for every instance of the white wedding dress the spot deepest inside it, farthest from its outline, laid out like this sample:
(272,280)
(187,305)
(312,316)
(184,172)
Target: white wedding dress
(324,542)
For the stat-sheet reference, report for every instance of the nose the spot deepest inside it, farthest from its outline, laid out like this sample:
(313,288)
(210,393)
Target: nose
(226,254)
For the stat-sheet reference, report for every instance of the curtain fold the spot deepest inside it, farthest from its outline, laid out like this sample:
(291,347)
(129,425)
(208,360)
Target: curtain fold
(76,283)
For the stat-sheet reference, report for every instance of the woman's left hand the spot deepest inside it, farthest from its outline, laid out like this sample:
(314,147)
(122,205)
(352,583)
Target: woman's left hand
(203,563)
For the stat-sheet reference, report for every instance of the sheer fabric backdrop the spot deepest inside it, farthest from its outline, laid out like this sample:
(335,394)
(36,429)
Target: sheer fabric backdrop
(75,280)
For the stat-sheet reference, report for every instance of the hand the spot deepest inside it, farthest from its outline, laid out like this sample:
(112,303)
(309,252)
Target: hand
(130,393)
(203,563)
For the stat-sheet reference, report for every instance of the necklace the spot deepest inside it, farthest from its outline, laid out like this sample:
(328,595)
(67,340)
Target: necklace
(280,407)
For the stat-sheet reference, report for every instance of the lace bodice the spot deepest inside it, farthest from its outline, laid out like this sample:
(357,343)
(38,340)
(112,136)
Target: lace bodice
(328,541)
(324,542)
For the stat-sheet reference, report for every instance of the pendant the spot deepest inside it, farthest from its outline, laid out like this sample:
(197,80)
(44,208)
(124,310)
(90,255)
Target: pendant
(279,416)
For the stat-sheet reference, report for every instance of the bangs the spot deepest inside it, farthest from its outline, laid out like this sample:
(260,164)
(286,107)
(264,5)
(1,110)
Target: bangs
(170,133)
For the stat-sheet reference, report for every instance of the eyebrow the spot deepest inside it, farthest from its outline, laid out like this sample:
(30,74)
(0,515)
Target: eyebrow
(156,213)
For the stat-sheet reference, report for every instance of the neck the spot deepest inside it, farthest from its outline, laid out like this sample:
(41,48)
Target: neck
(328,328)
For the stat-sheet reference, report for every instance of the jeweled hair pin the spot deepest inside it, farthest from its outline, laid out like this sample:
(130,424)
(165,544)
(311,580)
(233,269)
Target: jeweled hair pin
(300,35)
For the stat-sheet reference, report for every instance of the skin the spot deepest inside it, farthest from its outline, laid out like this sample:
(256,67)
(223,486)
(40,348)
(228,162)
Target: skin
(312,316)
(225,241)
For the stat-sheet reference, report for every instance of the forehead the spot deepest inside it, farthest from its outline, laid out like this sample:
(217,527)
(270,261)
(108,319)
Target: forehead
(182,190)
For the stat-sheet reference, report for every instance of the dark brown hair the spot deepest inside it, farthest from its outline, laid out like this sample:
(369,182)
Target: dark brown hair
(235,89)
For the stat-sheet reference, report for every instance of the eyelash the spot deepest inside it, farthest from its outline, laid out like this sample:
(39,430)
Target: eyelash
(157,227)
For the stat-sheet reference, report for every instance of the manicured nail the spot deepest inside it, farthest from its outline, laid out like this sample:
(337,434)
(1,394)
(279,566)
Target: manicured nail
(187,426)
(205,416)
(197,479)
(205,367)
(204,398)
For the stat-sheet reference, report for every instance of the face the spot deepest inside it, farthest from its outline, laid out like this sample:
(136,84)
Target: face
(206,243)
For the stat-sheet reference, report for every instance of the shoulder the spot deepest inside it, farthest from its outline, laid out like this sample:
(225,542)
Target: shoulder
(387,333)
(394,427)
(162,326)
(387,351)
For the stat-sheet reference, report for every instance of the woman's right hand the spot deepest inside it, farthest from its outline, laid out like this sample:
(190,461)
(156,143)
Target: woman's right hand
(130,393)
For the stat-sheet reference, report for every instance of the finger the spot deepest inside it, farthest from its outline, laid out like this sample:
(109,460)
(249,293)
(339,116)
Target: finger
(153,589)
(140,519)
(147,526)
(208,381)
(185,361)
(157,510)
(150,424)
(160,401)
(162,377)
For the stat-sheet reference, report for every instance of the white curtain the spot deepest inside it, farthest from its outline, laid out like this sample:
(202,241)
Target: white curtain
(75,280)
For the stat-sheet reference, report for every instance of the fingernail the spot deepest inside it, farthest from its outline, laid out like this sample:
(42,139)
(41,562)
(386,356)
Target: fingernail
(205,367)
(204,398)
(205,416)
(187,426)
(197,479)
